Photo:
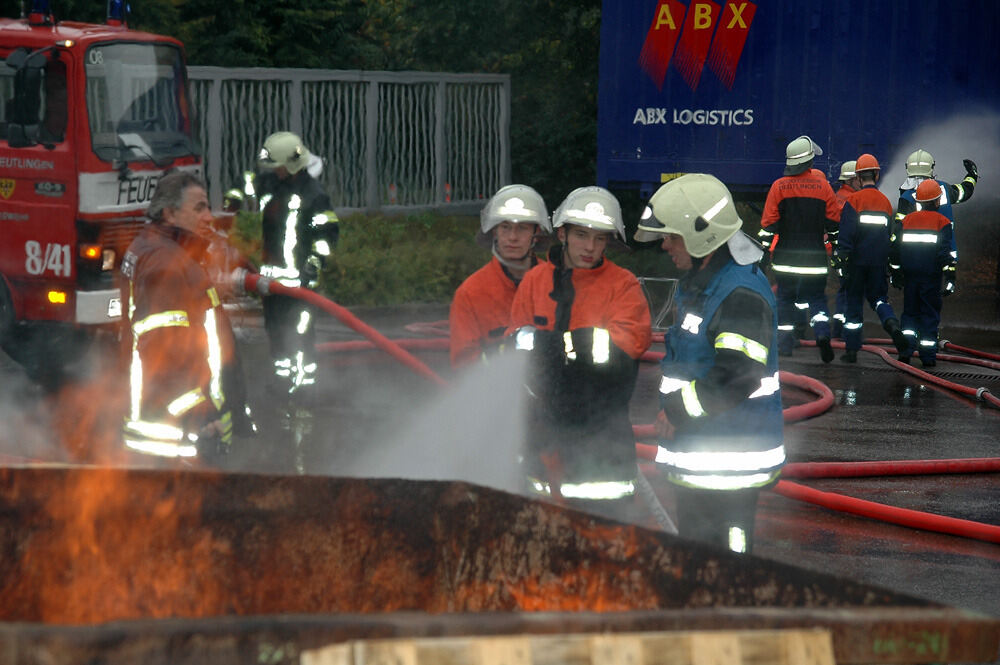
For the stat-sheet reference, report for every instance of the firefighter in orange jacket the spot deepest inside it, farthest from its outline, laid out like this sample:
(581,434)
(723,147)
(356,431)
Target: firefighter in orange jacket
(921,255)
(801,208)
(585,322)
(510,226)
(186,385)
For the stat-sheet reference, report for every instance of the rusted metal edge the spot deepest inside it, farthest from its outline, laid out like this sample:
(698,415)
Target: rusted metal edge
(860,635)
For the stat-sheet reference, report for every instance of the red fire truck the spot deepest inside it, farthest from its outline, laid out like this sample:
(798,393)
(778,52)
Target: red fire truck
(92,115)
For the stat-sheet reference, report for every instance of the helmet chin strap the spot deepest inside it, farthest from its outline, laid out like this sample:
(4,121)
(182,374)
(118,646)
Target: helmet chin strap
(521,264)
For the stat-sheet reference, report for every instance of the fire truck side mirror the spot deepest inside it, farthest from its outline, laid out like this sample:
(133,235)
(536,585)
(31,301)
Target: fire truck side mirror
(26,106)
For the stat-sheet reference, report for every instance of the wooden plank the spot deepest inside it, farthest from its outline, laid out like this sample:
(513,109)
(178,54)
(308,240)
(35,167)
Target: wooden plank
(745,647)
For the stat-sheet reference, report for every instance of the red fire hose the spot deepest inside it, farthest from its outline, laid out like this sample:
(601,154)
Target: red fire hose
(349,320)
(890,468)
(891,514)
(982,394)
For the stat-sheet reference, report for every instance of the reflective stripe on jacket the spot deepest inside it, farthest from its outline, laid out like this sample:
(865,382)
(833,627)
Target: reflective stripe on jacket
(607,296)
(721,446)
(865,238)
(923,242)
(179,344)
(800,209)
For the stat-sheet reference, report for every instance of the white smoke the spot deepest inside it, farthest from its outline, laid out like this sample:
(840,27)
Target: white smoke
(974,136)
(472,432)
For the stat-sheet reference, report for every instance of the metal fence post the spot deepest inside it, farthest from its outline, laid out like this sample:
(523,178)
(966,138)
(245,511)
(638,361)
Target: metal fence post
(214,157)
(440,149)
(371,145)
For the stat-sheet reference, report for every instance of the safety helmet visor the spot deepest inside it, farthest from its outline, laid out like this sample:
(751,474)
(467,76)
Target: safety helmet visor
(517,204)
(698,207)
(920,164)
(801,150)
(283,149)
(593,207)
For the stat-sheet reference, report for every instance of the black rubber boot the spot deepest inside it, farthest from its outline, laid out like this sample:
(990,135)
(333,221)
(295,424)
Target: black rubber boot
(898,338)
(825,351)
(849,356)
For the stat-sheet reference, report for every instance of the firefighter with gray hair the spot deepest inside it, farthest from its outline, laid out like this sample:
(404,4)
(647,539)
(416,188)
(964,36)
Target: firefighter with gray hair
(720,427)
(186,387)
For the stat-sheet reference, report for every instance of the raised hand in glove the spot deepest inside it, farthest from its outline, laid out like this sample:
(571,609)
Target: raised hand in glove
(970,169)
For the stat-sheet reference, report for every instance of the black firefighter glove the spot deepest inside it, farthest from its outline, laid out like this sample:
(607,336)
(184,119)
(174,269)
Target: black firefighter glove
(545,347)
(970,169)
(311,270)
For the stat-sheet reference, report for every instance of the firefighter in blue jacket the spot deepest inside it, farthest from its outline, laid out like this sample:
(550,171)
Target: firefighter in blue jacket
(920,168)
(922,255)
(862,257)
(721,423)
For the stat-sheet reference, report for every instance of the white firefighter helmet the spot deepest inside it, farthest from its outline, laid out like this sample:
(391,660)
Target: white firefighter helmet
(283,149)
(847,171)
(695,206)
(801,151)
(593,207)
(920,164)
(515,203)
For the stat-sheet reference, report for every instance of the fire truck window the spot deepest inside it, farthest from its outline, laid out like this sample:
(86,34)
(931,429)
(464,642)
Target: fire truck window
(7,95)
(56,110)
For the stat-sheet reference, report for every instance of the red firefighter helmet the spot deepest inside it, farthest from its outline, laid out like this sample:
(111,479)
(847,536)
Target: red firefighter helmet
(928,190)
(866,162)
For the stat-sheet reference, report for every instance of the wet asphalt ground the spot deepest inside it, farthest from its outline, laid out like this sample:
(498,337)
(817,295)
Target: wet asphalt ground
(372,415)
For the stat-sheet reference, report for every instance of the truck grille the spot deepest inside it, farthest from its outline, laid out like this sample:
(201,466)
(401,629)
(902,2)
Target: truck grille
(118,236)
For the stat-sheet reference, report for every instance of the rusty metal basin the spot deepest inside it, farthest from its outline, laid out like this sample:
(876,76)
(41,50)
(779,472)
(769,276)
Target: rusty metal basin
(112,565)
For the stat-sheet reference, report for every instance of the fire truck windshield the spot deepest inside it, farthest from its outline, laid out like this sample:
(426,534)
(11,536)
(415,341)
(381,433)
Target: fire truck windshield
(137,102)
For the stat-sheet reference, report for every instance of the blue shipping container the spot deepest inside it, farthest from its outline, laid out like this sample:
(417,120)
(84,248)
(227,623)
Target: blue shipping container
(722,87)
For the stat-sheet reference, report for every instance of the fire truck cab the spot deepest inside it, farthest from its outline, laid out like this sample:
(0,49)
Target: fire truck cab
(90,117)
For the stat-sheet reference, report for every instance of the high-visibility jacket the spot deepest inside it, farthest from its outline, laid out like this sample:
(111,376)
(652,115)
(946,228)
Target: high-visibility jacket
(297,224)
(923,243)
(950,194)
(800,209)
(480,312)
(592,326)
(864,239)
(607,297)
(180,345)
(720,385)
